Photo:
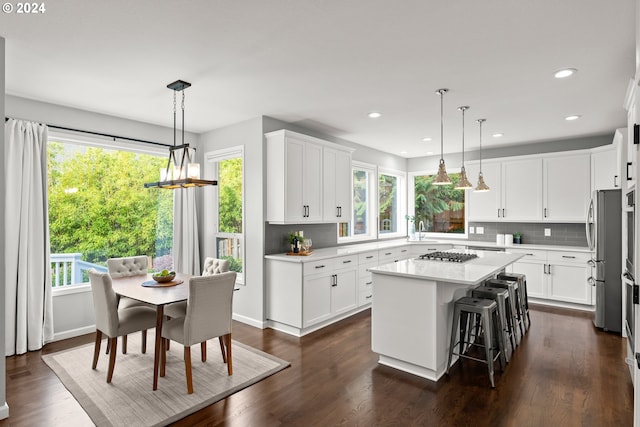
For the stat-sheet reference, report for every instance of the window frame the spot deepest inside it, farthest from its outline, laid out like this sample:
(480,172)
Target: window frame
(372,205)
(88,140)
(411,208)
(401,225)
(211,203)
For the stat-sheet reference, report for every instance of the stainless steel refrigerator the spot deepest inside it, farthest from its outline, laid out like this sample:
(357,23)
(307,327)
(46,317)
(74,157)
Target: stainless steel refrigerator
(604,236)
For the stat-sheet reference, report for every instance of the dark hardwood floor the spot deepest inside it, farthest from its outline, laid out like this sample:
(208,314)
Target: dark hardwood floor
(565,373)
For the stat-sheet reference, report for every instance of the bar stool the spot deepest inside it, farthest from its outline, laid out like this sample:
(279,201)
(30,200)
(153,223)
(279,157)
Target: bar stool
(522,283)
(487,310)
(516,305)
(501,296)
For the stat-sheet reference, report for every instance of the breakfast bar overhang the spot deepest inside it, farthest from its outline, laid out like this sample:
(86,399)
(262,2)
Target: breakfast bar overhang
(413,306)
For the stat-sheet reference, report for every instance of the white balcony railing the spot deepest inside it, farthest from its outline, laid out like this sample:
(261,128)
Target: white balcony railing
(67,269)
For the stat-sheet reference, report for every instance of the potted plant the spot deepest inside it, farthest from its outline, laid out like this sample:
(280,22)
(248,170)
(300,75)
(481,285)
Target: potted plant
(517,238)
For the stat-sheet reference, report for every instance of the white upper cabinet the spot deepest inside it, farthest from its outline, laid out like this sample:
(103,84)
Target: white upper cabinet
(606,162)
(296,175)
(522,190)
(337,185)
(486,205)
(567,187)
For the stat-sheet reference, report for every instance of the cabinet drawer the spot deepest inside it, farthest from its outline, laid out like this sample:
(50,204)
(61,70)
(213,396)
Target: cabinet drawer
(320,266)
(386,256)
(365,297)
(350,261)
(368,257)
(568,257)
(530,254)
(362,271)
(365,283)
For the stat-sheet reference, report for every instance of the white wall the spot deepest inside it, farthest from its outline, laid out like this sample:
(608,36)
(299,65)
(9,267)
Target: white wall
(4,408)
(248,302)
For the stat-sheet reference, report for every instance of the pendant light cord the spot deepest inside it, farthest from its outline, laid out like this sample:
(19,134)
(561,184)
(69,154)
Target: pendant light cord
(441,125)
(463,109)
(480,121)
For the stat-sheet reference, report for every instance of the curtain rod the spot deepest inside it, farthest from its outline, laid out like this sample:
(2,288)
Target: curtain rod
(114,137)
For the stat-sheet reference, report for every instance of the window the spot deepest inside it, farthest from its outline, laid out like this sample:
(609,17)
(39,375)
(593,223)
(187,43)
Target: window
(227,166)
(363,217)
(438,209)
(391,202)
(99,208)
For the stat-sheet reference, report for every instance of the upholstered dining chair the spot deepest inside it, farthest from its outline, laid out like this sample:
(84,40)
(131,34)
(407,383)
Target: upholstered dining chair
(123,267)
(209,312)
(211,266)
(113,321)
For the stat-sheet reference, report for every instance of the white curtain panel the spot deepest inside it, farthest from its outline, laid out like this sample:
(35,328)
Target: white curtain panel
(29,318)
(186,249)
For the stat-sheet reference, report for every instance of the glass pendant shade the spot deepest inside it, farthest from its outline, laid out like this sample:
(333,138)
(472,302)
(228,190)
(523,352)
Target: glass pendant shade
(463,182)
(482,186)
(442,178)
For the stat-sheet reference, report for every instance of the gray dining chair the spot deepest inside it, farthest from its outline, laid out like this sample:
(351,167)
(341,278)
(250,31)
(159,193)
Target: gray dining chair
(123,267)
(211,266)
(113,321)
(209,313)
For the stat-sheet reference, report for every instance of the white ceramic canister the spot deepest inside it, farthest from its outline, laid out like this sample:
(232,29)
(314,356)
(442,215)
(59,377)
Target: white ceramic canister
(508,239)
(499,239)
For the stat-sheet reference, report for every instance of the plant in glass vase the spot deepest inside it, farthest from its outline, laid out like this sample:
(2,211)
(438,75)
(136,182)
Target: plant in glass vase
(412,226)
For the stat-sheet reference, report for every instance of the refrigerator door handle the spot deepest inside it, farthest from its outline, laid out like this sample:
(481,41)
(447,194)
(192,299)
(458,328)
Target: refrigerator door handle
(587,224)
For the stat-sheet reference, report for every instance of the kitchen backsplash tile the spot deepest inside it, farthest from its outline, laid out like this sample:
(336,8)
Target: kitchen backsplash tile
(533,233)
(321,235)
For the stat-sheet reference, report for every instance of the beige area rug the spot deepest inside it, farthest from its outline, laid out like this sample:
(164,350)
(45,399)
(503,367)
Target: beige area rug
(130,401)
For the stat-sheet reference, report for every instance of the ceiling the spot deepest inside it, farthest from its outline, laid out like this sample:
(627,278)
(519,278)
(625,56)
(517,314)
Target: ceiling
(325,64)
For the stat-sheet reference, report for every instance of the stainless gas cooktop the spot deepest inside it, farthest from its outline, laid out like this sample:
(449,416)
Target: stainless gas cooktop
(447,256)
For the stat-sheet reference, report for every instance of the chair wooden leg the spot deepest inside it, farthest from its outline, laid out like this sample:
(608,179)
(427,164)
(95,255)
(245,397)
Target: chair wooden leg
(203,351)
(96,349)
(163,357)
(187,367)
(228,346)
(112,357)
(144,341)
(224,353)
(124,344)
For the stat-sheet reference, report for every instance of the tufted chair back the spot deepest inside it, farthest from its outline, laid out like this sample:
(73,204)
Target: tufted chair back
(215,266)
(127,266)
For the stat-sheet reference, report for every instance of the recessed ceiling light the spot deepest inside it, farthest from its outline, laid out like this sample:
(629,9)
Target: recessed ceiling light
(429,153)
(427,139)
(498,135)
(403,152)
(569,118)
(374,115)
(564,73)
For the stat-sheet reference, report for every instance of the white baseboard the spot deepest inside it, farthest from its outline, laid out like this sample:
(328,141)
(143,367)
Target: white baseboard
(250,321)
(58,336)
(4,411)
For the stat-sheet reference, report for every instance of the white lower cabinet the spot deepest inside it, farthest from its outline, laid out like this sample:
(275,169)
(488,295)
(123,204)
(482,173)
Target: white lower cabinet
(366,260)
(559,276)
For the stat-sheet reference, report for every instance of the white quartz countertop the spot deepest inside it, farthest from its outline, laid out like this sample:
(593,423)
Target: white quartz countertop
(470,272)
(336,251)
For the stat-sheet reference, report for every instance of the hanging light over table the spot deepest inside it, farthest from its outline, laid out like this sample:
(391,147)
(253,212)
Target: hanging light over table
(481,185)
(442,178)
(463,182)
(186,173)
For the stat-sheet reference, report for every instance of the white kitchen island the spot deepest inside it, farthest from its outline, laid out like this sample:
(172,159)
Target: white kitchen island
(412,308)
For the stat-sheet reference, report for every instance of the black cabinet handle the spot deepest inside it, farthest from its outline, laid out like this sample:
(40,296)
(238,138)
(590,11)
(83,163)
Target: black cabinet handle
(629,178)
(567,256)
(369,283)
(335,280)
(320,266)
(503,215)
(615,180)
(369,257)
(388,253)
(545,212)
(346,262)
(498,213)
(369,297)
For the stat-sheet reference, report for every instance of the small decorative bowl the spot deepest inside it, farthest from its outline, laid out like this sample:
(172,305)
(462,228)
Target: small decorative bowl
(163,279)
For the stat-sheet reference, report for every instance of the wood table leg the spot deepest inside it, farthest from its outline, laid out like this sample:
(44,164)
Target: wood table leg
(156,356)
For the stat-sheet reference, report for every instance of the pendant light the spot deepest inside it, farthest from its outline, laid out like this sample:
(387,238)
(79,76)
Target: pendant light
(186,173)
(482,187)
(463,182)
(442,178)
